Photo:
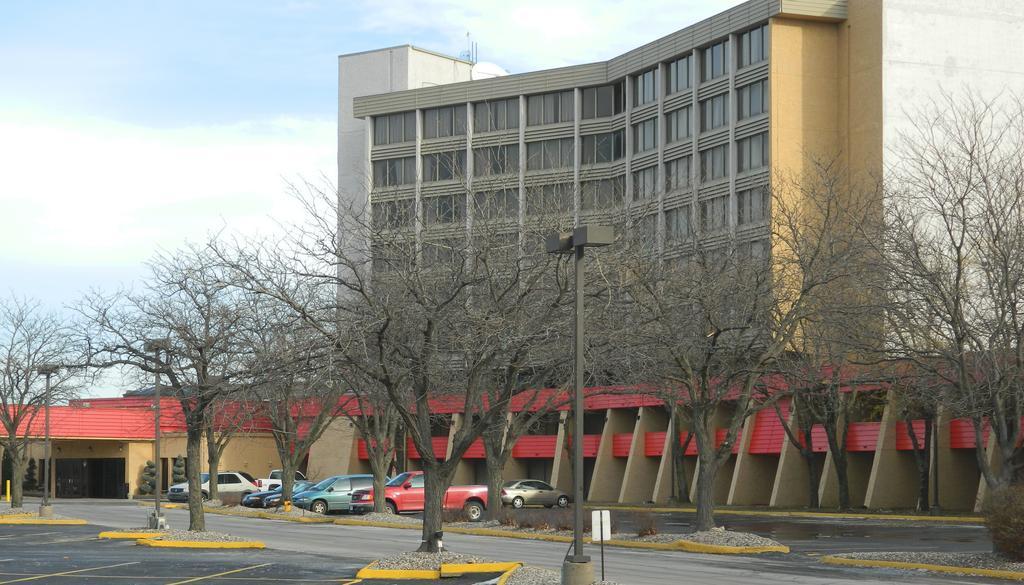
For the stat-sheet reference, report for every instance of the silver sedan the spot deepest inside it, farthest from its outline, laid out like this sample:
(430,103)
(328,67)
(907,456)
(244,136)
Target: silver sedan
(531,492)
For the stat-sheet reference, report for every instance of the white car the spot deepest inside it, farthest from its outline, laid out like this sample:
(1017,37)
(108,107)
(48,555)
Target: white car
(274,481)
(228,482)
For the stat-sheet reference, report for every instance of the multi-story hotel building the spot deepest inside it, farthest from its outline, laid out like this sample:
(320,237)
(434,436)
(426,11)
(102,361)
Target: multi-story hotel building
(691,124)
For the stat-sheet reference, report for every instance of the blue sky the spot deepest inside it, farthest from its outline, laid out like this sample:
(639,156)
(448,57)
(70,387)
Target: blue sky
(132,126)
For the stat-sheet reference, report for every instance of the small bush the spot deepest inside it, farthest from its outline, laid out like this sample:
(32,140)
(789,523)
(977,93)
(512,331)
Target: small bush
(1004,516)
(450,516)
(533,519)
(562,519)
(506,518)
(647,524)
(230,499)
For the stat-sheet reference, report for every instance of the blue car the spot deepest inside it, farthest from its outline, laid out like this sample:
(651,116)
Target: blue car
(272,498)
(333,493)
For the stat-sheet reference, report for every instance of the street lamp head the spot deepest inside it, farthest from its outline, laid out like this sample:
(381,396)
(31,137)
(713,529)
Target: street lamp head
(157,344)
(587,236)
(47,369)
(593,236)
(558,243)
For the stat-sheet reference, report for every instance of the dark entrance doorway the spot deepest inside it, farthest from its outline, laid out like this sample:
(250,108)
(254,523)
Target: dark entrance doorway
(90,478)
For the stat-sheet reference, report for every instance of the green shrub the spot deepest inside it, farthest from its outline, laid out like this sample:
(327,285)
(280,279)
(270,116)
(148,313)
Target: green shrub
(30,481)
(178,470)
(647,524)
(148,483)
(1004,516)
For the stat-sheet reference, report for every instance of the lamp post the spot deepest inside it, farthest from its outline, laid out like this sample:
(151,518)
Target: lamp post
(577,569)
(45,509)
(157,521)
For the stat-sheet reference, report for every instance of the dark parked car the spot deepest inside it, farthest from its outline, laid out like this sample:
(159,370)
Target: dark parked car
(272,498)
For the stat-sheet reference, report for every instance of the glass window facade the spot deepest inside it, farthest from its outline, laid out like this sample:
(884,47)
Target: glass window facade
(444,166)
(714,112)
(752,152)
(645,135)
(603,148)
(714,163)
(444,209)
(751,206)
(716,58)
(754,46)
(714,214)
(677,224)
(394,128)
(496,115)
(677,124)
(549,154)
(603,101)
(645,183)
(496,160)
(677,174)
(644,88)
(602,194)
(678,76)
(444,122)
(499,204)
(549,108)
(394,171)
(549,199)
(752,100)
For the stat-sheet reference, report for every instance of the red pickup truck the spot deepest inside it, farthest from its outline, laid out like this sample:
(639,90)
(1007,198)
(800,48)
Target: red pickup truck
(404,493)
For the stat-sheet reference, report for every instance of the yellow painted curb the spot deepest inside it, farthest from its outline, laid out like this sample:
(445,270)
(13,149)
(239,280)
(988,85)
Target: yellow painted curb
(683,545)
(156,543)
(970,571)
(18,515)
(117,535)
(447,570)
(800,514)
(459,569)
(163,504)
(36,521)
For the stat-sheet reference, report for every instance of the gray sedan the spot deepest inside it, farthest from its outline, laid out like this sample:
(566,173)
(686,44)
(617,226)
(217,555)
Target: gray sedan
(532,492)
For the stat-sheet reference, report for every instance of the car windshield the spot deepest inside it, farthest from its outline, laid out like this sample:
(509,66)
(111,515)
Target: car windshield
(399,479)
(323,484)
(509,483)
(204,477)
(301,486)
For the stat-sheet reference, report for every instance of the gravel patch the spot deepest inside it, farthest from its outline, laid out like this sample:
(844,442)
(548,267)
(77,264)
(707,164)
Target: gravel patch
(722,537)
(392,518)
(425,561)
(142,530)
(16,511)
(972,560)
(295,512)
(188,535)
(527,575)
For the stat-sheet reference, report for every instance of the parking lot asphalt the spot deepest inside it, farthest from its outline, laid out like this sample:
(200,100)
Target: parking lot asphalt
(348,547)
(73,554)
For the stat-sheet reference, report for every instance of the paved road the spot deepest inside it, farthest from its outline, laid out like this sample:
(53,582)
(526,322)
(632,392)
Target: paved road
(626,566)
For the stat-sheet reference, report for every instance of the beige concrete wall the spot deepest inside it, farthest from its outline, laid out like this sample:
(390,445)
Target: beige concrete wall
(642,471)
(464,468)
(609,470)
(994,461)
(754,476)
(561,468)
(957,470)
(336,452)
(893,479)
(791,476)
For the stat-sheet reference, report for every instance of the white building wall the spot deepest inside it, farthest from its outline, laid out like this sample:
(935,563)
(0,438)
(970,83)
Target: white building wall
(947,45)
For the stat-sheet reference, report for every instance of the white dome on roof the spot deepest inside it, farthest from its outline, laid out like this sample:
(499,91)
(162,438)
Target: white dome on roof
(485,70)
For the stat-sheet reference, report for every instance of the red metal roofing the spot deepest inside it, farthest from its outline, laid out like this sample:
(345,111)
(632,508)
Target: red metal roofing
(67,422)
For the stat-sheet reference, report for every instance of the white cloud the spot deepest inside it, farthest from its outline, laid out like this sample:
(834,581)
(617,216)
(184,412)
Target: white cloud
(86,192)
(537,34)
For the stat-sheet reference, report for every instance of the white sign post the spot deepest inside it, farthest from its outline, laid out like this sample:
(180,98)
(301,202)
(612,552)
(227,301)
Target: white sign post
(600,531)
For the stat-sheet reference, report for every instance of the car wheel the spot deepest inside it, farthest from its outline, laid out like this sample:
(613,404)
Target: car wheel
(391,507)
(474,511)
(563,501)
(518,502)
(319,507)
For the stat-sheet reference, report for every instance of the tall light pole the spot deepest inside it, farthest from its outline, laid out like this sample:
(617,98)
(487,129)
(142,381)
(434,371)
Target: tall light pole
(45,509)
(157,520)
(577,569)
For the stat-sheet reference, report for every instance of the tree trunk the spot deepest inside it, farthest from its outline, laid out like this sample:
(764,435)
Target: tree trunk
(18,463)
(193,447)
(681,486)
(705,493)
(287,478)
(495,477)
(922,457)
(843,477)
(707,472)
(379,466)
(813,479)
(435,486)
(213,460)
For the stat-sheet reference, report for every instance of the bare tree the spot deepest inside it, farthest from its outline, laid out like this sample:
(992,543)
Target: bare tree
(956,227)
(225,418)
(30,337)
(187,301)
(708,325)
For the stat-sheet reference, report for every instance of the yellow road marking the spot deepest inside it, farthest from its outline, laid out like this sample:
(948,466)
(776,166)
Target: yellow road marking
(215,575)
(35,577)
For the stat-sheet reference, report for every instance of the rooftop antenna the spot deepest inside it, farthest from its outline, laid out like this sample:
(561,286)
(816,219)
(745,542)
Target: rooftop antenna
(470,54)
